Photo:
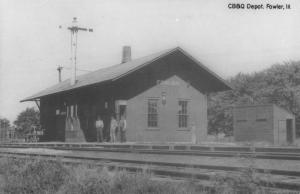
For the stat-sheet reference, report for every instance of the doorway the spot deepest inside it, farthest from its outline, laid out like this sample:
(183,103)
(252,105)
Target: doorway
(282,137)
(290,130)
(60,125)
(120,110)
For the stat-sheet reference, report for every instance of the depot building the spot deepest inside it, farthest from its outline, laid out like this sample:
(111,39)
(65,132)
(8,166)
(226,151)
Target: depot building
(163,97)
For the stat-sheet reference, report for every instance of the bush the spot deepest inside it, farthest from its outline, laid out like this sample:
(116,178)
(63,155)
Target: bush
(87,180)
(37,176)
(93,180)
(139,183)
(245,181)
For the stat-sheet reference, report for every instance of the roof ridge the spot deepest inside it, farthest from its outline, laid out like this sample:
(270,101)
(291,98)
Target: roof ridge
(114,72)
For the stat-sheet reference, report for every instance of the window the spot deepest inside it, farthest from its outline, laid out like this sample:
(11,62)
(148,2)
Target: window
(152,112)
(183,114)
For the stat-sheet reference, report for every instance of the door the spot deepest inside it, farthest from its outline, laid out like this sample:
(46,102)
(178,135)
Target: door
(60,127)
(282,131)
(290,130)
(121,106)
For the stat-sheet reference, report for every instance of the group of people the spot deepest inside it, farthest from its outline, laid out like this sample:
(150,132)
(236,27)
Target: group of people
(117,129)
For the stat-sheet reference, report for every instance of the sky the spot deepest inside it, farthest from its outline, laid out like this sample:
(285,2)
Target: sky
(227,41)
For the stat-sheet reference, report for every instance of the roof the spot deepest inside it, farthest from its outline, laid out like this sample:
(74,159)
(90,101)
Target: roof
(115,72)
(261,105)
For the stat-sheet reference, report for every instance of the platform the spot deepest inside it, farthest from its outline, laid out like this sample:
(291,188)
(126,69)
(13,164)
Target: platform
(170,146)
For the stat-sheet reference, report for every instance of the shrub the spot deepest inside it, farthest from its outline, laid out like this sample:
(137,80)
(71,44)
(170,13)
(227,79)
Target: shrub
(37,176)
(245,181)
(141,183)
(87,180)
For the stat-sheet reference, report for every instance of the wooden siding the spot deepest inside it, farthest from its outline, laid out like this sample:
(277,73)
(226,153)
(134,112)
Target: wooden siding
(253,123)
(262,123)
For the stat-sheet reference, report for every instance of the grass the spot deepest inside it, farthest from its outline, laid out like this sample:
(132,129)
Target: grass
(30,176)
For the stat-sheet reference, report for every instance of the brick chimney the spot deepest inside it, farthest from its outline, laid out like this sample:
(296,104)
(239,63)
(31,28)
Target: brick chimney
(126,57)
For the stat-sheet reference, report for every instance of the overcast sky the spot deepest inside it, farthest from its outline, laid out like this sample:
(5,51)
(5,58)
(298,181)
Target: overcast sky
(227,41)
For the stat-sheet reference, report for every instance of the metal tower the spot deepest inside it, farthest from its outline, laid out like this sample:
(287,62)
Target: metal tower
(74,31)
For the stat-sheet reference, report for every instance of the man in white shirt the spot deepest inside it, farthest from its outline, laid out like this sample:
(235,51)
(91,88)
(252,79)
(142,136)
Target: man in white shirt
(99,129)
(113,129)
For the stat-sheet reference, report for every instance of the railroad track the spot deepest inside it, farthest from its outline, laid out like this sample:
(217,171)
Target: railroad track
(283,179)
(258,153)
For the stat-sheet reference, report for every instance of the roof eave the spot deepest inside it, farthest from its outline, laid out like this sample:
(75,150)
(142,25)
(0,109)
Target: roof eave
(64,91)
(28,99)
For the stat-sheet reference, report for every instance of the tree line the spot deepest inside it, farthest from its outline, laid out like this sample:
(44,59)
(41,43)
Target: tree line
(24,122)
(279,84)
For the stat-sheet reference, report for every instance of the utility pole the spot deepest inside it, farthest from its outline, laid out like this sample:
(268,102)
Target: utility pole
(59,68)
(74,30)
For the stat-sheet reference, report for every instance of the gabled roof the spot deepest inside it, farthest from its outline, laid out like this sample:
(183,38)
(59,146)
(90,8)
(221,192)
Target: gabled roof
(115,72)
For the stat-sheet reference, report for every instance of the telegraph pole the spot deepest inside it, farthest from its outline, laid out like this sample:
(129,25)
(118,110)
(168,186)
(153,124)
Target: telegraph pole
(74,30)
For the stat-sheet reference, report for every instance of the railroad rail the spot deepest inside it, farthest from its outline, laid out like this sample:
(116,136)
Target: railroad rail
(253,152)
(170,169)
(181,147)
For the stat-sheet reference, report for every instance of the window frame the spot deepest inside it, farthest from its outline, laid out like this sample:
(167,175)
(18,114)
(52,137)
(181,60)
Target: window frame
(156,99)
(184,114)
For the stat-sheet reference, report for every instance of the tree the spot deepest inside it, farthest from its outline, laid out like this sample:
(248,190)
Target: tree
(4,123)
(26,119)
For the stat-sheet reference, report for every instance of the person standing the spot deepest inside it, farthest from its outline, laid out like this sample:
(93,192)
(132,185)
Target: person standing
(123,126)
(99,129)
(113,129)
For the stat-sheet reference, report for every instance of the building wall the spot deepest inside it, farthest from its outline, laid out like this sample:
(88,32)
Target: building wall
(171,75)
(280,128)
(174,88)
(177,79)
(253,123)
(47,119)
(262,123)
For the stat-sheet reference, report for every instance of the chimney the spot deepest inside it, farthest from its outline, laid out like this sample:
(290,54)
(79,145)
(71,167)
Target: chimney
(59,73)
(126,54)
